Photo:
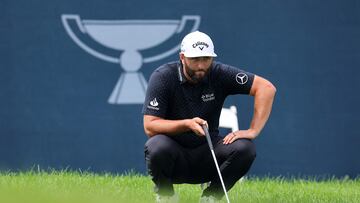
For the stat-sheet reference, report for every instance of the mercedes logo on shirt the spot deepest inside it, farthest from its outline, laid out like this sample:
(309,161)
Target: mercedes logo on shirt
(241,78)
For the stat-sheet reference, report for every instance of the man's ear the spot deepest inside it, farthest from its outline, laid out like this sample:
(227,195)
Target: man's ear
(181,55)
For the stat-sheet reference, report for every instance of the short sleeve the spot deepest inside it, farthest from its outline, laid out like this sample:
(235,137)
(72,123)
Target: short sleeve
(236,81)
(157,96)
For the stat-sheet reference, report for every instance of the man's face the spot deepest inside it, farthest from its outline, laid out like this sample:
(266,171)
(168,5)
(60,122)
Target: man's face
(195,69)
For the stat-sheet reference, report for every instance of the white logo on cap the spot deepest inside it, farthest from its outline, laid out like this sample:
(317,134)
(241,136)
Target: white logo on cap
(241,78)
(201,45)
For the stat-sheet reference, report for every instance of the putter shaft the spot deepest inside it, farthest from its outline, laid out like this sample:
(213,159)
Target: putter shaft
(207,135)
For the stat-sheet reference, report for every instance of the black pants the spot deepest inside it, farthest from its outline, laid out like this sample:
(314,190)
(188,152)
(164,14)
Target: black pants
(170,163)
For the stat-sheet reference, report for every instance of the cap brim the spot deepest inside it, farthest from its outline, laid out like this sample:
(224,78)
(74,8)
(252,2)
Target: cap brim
(199,55)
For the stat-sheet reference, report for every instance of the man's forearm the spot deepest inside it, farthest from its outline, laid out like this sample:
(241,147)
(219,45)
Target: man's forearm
(155,125)
(264,98)
(163,126)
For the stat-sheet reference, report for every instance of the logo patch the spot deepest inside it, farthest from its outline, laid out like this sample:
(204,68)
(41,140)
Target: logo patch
(208,97)
(241,78)
(153,104)
(201,45)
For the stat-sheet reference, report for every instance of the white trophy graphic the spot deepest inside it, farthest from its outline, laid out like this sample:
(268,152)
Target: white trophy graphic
(128,38)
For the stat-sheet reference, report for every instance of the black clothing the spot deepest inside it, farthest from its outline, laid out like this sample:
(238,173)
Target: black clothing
(186,157)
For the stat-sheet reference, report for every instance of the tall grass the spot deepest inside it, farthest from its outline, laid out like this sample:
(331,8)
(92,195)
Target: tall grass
(79,187)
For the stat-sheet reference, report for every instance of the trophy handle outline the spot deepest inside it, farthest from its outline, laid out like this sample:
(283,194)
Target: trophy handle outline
(66,17)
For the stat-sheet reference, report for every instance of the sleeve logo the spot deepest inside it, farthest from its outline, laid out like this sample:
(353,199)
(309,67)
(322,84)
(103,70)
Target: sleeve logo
(153,104)
(241,78)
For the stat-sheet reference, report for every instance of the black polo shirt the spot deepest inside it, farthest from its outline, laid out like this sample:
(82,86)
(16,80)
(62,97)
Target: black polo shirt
(170,96)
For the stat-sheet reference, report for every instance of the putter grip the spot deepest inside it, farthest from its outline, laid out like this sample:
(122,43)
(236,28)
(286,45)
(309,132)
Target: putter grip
(207,135)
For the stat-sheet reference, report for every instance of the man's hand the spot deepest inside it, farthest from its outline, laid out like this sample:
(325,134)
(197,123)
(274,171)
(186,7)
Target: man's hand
(195,124)
(231,137)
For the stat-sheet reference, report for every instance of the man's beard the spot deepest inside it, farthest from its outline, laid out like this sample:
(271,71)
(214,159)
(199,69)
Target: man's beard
(192,74)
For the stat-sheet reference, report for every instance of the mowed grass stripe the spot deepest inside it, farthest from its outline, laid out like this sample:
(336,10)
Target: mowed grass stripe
(65,186)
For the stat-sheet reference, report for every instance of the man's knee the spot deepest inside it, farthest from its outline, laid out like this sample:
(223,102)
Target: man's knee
(245,148)
(159,148)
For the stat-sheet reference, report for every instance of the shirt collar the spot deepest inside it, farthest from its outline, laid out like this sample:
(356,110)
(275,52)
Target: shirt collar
(181,75)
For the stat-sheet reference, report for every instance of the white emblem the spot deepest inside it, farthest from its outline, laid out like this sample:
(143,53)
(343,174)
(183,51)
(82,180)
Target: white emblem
(241,78)
(208,97)
(125,40)
(154,103)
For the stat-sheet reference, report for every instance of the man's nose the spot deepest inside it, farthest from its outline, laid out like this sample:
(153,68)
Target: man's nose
(201,64)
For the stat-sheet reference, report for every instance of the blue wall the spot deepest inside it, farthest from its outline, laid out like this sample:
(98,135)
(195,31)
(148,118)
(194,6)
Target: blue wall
(54,109)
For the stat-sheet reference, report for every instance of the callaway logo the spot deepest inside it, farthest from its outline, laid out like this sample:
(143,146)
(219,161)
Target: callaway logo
(241,78)
(201,45)
(153,105)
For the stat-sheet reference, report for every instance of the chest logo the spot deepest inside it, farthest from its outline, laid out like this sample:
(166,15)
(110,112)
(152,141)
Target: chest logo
(208,97)
(241,78)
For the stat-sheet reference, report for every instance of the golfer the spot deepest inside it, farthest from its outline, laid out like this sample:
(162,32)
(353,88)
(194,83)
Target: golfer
(186,94)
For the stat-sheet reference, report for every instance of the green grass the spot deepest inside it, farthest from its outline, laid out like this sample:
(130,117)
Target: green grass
(68,187)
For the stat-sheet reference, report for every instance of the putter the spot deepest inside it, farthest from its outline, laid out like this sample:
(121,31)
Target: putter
(207,135)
